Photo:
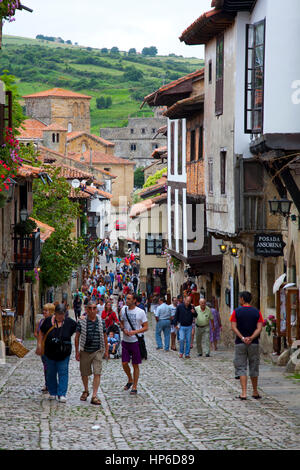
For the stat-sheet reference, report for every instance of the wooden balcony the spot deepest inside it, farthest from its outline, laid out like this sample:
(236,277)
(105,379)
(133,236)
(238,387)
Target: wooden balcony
(27,251)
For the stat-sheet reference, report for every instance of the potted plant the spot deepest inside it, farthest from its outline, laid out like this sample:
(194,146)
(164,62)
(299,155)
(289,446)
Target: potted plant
(26,227)
(270,325)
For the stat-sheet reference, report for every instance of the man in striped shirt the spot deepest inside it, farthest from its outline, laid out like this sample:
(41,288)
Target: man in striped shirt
(90,345)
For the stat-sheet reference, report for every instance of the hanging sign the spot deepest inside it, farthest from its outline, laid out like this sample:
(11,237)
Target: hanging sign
(269,245)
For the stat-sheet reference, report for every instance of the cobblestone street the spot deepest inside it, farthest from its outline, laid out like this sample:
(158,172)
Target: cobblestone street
(181,405)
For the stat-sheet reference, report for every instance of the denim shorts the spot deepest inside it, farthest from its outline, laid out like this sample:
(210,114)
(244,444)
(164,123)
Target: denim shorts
(244,355)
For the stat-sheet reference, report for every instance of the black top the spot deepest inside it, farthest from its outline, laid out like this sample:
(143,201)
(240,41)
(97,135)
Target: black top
(184,315)
(246,319)
(64,334)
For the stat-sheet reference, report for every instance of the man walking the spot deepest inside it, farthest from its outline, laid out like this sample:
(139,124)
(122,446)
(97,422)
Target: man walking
(90,344)
(185,313)
(163,319)
(247,323)
(204,315)
(133,322)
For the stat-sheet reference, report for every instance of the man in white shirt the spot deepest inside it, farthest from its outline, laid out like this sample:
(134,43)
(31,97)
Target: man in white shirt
(133,322)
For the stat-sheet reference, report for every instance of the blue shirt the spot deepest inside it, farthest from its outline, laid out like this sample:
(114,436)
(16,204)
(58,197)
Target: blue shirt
(163,312)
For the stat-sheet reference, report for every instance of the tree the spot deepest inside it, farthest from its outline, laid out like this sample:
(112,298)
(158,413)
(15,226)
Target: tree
(132,51)
(53,207)
(104,50)
(17,110)
(108,103)
(152,180)
(114,50)
(101,102)
(132,74)
(139,177)
(150,51)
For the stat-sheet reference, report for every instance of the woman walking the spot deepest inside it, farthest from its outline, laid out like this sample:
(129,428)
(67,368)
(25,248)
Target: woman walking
(56,333)
(77,306)
(215,334)
(109,316)
(48,311)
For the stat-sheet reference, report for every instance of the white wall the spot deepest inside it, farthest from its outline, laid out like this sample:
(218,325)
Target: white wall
(282,63)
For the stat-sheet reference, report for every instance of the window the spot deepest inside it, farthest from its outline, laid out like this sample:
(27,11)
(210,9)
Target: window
(219,75)
(210,177)
(223,172)
(193,146)
(154,244)
(131,131)
(70,127)
(210,72)
(84,147)
(179,161)
(172,147)
(200,146)
(57,138)
(53,138)
(133,147)
(255,68)
(153,131)
(107,169)
(143,131)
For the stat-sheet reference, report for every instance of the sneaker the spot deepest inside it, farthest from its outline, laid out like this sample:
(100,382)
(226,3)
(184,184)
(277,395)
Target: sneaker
(207,355)
(62,399)
(52,397)
(188,357)
(200,355)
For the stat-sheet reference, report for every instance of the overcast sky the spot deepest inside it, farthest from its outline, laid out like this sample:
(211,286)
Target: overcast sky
(108,23)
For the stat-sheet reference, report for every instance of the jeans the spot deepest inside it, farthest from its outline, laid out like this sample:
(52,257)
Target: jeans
(185,336)
(44,361)
(58,376)
(165,327)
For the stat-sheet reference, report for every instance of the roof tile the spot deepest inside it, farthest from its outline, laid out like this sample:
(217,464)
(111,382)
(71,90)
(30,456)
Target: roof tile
(57,93)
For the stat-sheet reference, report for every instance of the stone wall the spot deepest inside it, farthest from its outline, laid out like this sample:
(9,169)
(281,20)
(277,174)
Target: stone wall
(85,142)
(122,186)
(133,134)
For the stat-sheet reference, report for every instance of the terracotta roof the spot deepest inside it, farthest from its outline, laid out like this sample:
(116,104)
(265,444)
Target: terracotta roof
(26,171)
(207,26)
(162,130)
(160,198)
(71,173)
(184,108)
(141,207)
(55,127)
(45,230)
(161,185)
(101,157)
(92,190)
(158,153)
(152,98)
(75,194)
(33,129)
(58,93)
(75,135)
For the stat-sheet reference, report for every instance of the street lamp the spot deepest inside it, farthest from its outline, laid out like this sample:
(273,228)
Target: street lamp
(223,248)
(234,251)
(23,214)
(280,206)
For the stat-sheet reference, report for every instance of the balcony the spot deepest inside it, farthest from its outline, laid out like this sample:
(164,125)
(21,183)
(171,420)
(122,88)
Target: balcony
(27,251)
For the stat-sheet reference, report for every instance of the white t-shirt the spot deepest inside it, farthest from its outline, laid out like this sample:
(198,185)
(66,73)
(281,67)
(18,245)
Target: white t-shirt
(137,317)
(100,309)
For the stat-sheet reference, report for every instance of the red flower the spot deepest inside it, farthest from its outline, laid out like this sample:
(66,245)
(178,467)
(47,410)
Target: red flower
(2,176)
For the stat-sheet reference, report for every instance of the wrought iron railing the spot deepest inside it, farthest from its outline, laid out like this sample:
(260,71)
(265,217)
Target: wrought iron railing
(27,251)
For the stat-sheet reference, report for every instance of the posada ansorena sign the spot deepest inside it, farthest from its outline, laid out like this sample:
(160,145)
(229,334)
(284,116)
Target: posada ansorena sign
(269,245)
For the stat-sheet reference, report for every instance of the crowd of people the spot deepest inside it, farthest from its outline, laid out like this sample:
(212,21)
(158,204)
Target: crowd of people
(110,302)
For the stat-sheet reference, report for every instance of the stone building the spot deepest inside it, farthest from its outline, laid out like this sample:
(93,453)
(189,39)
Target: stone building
(136,141)
(66,108)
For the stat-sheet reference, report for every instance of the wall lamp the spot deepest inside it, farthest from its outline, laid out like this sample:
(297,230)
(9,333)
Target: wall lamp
(283,207)
(233,250)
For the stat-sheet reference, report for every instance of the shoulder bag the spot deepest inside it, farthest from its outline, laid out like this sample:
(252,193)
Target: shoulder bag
(140,339)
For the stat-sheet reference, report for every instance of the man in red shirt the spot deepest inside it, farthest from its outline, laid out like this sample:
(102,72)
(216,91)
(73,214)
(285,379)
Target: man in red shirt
(247,323)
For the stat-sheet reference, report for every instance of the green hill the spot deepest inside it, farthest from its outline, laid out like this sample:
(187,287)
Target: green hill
(39,65)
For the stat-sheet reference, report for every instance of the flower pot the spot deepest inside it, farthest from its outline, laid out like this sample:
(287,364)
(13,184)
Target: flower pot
(277,344)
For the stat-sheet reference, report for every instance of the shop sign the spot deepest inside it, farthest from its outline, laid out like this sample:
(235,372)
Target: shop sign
(269,245)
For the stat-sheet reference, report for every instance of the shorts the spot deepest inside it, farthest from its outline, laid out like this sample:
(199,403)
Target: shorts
(131,351)
(87,360)
(246,354)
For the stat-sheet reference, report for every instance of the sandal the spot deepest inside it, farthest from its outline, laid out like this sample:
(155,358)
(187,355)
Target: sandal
(128,386)
(241,398)
(256,397)
(95,401)
(84,396)
(133,392)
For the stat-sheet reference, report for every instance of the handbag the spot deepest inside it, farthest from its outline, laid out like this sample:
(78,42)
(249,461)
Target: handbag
(141,340)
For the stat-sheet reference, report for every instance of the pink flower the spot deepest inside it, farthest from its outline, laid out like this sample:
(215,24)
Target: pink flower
(271,317)
(265,323)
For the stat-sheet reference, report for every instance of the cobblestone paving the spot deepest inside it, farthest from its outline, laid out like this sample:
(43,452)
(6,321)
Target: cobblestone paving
(181,405)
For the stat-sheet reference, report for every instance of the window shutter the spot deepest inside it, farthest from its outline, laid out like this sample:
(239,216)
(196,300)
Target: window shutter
(220,76)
